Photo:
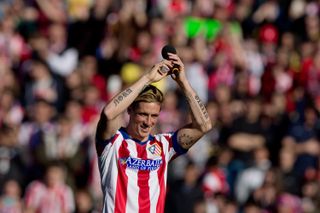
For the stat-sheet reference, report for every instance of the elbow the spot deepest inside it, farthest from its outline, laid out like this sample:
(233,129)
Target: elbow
(107,114)
(206,127)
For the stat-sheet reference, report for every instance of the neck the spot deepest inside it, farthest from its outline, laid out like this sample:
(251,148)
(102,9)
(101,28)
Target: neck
(132,133)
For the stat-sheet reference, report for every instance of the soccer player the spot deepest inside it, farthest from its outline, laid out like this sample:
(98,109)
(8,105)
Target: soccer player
(133,163)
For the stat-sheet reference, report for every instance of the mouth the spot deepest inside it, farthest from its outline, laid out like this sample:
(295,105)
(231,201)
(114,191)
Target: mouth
(145,128)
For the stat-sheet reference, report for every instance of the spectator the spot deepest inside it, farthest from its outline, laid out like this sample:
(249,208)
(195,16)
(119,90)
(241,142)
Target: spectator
(84,202)
(288,174)
(184,194)
(90,75)
(43,84)
(289,203)
(214,179)
(10,199)
(252,177)
(266,196)
(248,133)
(51,194)
(310,196)
(12,44)
(170,116)
(11,111)
(12,164)
(61,58)
(36,133)
(303,138)
(243,48)
(195,71)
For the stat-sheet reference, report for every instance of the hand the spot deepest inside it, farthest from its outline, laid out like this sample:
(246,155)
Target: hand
(180,76)
(159,71)
(311,147)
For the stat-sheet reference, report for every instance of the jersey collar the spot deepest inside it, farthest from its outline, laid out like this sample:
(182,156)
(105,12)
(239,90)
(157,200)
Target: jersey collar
(127,136)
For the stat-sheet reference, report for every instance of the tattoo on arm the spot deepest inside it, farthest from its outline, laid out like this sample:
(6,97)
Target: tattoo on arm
(121,96)
(186,140)
(202,107)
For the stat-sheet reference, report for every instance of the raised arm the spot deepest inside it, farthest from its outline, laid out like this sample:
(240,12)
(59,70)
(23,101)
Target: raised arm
(201,123)
(109,120)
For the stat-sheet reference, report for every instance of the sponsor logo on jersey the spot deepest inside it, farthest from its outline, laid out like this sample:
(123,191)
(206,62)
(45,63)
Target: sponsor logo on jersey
(141,164)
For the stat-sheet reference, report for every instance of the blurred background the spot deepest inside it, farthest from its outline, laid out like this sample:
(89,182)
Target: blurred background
(254,63)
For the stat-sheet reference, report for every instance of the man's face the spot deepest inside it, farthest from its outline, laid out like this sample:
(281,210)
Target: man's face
(143,119)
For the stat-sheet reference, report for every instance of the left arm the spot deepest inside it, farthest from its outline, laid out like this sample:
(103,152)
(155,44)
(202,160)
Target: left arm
(201,123)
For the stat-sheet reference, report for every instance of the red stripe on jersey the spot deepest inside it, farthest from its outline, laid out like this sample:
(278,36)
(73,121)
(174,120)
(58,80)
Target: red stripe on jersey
(161,178)
(143,182)
(122,180)
(114,138)
(169,139)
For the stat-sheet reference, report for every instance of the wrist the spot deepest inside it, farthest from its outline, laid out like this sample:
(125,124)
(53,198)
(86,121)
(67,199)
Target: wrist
(184,85)
(145,79)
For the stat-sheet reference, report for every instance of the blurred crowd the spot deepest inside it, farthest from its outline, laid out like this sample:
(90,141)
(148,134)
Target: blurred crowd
(255,63)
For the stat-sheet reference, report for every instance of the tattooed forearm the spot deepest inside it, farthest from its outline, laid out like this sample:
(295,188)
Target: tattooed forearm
(121,96)
(202,107)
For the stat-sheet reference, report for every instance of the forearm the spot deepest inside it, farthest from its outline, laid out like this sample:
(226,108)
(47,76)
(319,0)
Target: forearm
(123,100)
(245,141)
(199,112)
(310,146)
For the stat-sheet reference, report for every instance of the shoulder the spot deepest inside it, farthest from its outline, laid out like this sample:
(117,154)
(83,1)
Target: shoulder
(111,139)
(36,186)
(102,144)
(164,135)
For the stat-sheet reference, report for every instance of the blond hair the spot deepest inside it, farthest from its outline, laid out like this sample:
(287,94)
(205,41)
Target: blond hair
(149,94)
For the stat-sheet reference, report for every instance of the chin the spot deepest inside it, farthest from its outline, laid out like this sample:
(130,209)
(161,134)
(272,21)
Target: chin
(143,135)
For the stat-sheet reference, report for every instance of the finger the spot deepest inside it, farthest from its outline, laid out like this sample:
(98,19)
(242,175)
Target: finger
(175,59)
(174,76)
(173,56)
(167,63)
(164,69)
(161,71)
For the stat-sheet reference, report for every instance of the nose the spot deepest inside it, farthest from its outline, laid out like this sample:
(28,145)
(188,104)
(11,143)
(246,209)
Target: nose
(148,121)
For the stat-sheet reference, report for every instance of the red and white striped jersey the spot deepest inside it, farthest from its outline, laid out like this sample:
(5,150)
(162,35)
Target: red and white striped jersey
(134,173)
(49,200)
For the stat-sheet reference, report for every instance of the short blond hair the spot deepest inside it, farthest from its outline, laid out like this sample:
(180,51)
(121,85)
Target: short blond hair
(149,94)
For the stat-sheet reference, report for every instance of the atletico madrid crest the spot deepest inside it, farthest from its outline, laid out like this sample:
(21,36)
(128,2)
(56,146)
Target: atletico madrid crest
(155,149)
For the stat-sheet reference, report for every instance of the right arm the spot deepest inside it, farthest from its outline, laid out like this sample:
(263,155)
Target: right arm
(109,121)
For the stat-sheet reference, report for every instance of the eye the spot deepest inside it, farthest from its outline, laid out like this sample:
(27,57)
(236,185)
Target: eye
(142,114)
(154,116)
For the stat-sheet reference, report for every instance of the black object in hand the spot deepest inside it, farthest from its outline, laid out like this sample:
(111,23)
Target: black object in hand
(168,49)
(164,52)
